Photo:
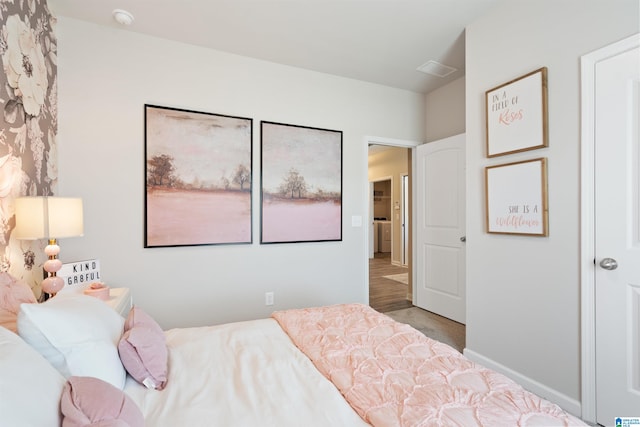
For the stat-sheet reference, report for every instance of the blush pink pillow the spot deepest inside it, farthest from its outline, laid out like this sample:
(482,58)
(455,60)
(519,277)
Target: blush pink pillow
(143,350)
(89,401)
(13,292)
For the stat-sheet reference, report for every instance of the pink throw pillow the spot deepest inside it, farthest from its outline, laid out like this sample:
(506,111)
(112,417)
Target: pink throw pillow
(89,401)
(143,350)
(13,292)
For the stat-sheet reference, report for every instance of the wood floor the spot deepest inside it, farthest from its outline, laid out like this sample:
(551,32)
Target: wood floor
(386,294)
(390,297)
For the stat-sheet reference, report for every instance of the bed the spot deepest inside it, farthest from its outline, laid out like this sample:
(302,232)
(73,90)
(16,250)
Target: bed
(340,365)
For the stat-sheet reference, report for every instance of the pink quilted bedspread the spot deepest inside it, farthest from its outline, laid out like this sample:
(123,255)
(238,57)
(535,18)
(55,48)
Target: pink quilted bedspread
(393,375)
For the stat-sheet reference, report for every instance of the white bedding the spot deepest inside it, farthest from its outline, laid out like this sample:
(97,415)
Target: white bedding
(241,374)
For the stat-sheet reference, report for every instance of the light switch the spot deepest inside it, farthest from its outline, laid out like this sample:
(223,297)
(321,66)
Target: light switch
(356,221)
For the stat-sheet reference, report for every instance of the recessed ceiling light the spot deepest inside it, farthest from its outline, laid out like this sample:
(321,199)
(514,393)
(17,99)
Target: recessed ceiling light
(436,69)
(122,17)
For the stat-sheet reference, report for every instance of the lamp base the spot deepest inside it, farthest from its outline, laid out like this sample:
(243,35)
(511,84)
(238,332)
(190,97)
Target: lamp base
(52,284)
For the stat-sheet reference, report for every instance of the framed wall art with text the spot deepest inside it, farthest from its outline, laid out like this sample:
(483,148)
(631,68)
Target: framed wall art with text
(516,196)
(516,114)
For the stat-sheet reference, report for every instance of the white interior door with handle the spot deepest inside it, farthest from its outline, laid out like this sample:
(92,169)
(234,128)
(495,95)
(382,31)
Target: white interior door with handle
(440,228)
(617,236)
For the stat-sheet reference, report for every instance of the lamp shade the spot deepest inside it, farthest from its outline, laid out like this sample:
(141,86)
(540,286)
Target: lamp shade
(48,217)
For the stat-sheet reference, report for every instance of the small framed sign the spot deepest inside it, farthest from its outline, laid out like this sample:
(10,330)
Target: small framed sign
(516,195)
(80,272)
(517,115)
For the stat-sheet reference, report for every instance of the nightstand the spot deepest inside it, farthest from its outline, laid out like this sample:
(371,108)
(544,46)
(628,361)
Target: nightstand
(120,300)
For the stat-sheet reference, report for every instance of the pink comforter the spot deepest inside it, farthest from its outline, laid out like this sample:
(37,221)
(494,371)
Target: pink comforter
(393,375)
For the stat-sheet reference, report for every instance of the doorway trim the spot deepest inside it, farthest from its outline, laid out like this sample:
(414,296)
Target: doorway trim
(365,201)
(404,214)
(587,219)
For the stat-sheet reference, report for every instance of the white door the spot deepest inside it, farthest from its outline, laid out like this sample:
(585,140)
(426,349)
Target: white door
(440,227)
(617,236)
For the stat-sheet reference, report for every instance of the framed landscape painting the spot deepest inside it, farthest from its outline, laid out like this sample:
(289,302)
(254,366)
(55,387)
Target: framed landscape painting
(301,176)
(198,178)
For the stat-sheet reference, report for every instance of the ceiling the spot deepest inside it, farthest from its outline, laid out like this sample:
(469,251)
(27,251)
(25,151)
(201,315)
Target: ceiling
(378,41)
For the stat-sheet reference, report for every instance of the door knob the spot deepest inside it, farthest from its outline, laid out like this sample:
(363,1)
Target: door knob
(609,264)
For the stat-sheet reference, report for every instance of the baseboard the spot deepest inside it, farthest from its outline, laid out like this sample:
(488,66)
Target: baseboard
(565,402)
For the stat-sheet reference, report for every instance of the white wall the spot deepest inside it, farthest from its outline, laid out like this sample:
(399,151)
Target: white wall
(523,292)
(106,75)
(445,111)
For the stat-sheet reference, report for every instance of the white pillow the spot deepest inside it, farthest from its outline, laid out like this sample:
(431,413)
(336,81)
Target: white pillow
(77,334)
(30,386)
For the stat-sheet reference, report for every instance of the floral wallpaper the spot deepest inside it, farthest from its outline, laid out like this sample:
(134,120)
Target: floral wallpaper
(28,125)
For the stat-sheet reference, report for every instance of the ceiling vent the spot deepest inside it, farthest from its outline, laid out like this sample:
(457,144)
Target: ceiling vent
(436,69)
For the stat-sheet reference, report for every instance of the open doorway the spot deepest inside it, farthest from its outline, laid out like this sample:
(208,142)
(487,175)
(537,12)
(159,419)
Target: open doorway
(432,325)
(389,170)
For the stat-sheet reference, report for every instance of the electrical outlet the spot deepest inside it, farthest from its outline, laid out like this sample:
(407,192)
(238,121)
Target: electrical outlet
(268,298)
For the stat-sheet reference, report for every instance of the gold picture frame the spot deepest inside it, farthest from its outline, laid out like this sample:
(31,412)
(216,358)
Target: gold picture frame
(516,198)
(516,115)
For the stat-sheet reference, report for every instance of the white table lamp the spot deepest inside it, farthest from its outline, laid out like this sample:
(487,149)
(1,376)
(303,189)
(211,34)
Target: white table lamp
(49,218)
